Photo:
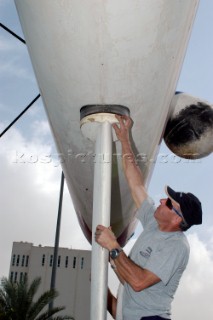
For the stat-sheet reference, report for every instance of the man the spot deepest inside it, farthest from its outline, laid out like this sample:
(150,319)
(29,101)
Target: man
(151,274)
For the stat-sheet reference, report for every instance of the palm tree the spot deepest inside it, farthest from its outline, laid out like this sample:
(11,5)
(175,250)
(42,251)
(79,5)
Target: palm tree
(17,303)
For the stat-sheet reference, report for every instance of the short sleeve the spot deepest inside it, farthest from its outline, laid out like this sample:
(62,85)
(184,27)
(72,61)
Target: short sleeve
(146,212)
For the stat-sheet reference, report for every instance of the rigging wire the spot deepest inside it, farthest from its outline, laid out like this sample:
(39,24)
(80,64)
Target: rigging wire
(13,33)
(19,116)
(34,100)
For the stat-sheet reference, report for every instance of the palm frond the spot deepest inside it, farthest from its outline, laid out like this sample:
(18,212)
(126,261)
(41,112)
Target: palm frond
(16,301)
(43,301)
(49,313)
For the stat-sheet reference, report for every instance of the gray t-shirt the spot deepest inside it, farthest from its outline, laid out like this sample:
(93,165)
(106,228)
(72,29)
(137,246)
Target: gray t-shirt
(165,254)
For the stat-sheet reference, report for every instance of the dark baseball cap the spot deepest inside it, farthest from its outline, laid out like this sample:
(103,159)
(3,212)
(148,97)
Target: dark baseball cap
(189,204)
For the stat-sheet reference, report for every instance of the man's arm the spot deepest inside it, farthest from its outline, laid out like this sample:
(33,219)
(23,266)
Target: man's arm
(111,304)
(137,277)
(132,171)
(113,266)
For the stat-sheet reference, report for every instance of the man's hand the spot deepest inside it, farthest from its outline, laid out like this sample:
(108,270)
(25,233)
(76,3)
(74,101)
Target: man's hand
(106,238)
(122,130)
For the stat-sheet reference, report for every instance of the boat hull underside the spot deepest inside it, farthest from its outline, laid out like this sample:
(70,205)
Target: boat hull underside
(125,52)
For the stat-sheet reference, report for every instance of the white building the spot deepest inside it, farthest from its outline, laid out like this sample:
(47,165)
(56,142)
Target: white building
(72,276)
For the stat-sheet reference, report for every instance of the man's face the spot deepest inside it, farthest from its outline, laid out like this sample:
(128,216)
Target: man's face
(167,211)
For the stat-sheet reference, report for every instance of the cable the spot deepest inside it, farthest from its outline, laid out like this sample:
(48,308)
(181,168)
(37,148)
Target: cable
(34,100)
(19,116)
(13,33)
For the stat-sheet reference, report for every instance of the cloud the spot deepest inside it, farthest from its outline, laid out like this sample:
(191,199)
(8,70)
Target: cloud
(5,45)
(29,197)
(3,3)
(44,128)
(13,68)
(15,60)
(194,296)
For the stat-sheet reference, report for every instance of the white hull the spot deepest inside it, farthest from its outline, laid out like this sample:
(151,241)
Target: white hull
(126,52)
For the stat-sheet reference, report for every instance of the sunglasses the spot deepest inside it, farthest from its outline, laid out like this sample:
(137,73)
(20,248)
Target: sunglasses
(170,206)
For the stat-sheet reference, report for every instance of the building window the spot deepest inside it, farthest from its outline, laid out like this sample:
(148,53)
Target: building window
(74,263)
(16,274)
(82,263)
(11,276)
(66,261)
(27,261)
(17,261)
(59,261)
(43,260)
(14,259)
(21,277)
(51,260)
(23,260)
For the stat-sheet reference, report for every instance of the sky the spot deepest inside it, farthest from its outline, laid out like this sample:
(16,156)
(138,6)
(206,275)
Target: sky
(29,189)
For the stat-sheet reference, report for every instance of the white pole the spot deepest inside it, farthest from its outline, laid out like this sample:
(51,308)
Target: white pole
(101,215)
